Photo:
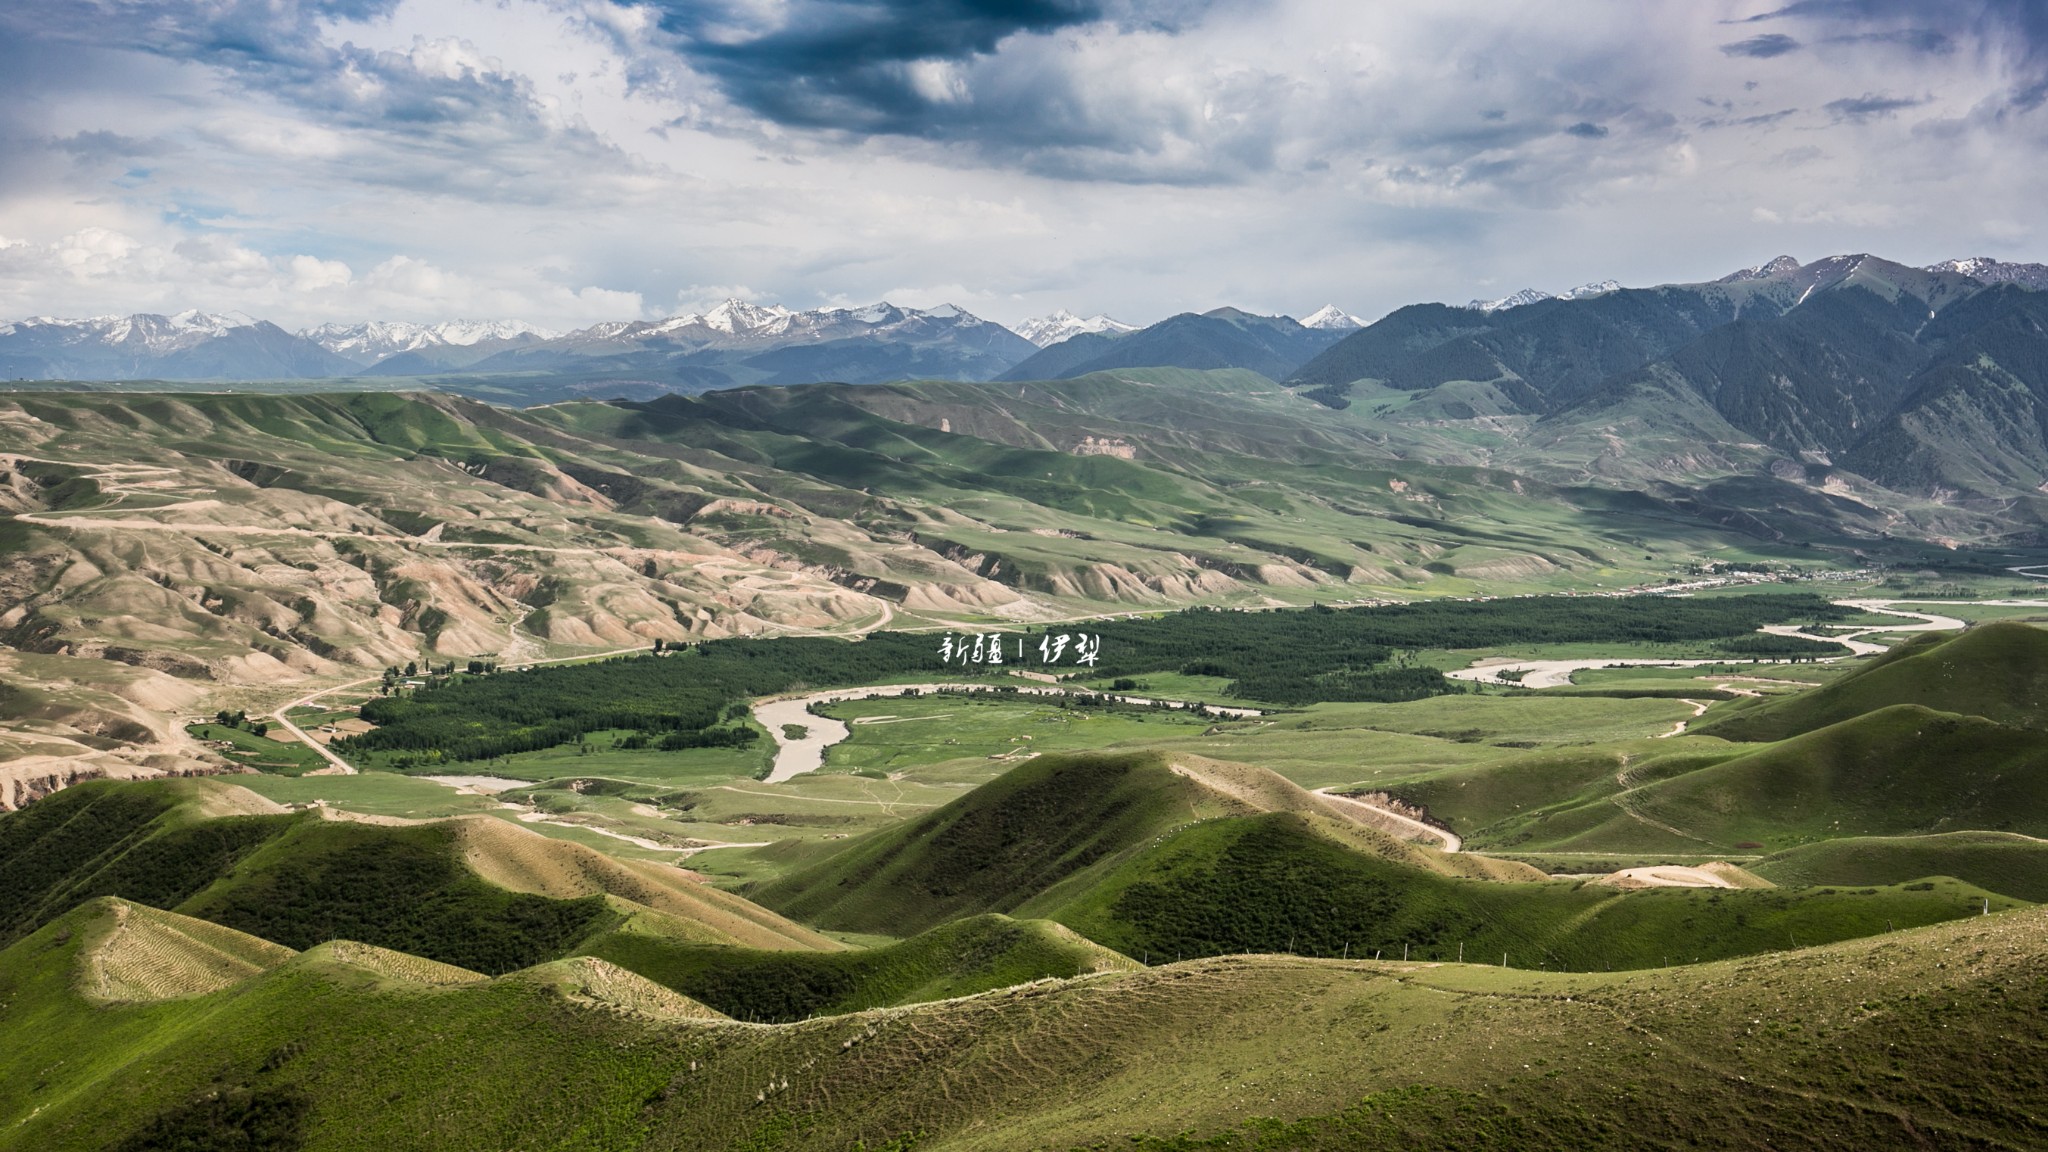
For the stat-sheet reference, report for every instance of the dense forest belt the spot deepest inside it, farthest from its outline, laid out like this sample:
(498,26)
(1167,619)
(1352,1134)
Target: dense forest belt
(697,697)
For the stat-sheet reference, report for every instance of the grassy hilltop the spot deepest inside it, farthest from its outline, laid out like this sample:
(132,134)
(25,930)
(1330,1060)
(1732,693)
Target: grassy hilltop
(1997,670)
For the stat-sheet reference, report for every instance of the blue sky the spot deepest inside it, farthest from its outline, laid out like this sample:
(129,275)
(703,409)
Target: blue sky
(565,161)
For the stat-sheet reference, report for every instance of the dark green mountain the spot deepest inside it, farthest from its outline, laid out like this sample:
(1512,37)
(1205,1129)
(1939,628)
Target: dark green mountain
(1273,346)
(1923,380)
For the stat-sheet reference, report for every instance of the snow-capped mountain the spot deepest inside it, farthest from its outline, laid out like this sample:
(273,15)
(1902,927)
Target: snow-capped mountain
(1531,295)
(1272,346)
(742,343)
(1583,291)
(1783,265)
(1990,271)
(736,323)
(1525,296)
(1330,318)
(144,331)
(371,342)
(189,345)
(1045,331)
(732,318)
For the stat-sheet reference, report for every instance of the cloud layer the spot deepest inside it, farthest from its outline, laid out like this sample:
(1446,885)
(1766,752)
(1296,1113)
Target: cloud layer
(568,160)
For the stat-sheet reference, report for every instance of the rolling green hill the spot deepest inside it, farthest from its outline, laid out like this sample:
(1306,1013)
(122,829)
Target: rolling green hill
(158,843)
(479,893)
(1162,858)
(1901,770)
(1275,883)
(1054,822)
(959,958)
(1933,1037)
(1997,670)
(2002,862)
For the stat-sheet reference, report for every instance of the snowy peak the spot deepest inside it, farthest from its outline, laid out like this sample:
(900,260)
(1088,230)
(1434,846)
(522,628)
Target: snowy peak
(739,318)
(463,333)
(739,324)
(1585,291)
(1525,296)
(373,341)
(1330,318)
(1045,331)
(1532,296)
(1990,271)
(1782,266)
(146,332)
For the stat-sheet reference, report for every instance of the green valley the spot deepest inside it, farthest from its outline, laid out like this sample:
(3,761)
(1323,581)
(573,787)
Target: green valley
(1465,739)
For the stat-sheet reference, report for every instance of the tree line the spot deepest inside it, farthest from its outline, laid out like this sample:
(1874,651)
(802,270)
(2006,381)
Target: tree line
(693,696)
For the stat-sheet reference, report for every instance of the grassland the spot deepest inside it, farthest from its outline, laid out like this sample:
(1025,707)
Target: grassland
(276,757)
(961,958)
(898,733)
(1998,671)
(1932,1036)
(2002,862)
(1158,859)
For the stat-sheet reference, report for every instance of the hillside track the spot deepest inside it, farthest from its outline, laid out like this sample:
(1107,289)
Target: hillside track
(1445,839)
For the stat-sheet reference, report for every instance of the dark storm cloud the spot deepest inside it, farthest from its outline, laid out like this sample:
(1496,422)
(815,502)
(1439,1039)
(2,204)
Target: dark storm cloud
(2014,32)
(106,146)
(1586,129)
(2018,26)
(1762,47)
(916,68)
(435,118)
(1868,106)
(1923,40)
(844,64)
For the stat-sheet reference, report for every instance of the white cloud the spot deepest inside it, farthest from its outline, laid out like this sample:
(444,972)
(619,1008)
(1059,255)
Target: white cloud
(560,161)
(312,274)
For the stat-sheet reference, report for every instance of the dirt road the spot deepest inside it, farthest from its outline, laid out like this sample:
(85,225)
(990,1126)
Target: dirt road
(1699,709)
(1376,817)
(1668,876)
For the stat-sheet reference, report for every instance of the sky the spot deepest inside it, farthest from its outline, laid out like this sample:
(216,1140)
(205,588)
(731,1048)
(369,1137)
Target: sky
(569,161)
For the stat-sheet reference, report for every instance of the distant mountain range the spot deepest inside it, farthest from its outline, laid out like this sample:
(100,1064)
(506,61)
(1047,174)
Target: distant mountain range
(1840,358)
(1932,381)
(430,347)
(735,343)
